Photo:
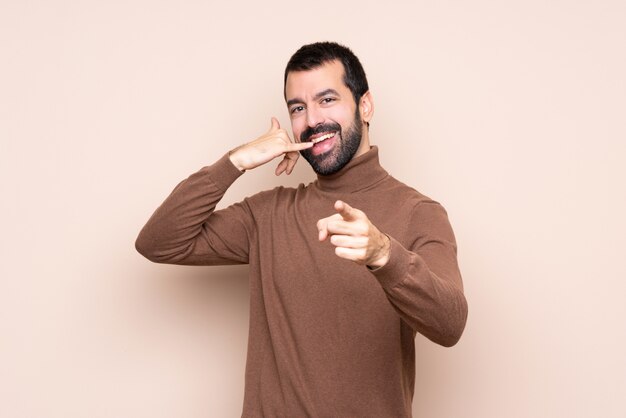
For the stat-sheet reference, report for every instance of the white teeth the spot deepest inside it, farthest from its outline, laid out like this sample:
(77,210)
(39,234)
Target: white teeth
(323,137)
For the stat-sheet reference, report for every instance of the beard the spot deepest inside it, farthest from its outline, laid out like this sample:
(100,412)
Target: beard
(336,158)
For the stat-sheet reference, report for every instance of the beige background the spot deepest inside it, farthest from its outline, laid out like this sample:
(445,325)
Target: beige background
(510,113)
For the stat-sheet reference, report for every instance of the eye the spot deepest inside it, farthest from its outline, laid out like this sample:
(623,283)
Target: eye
(297,109)
(327,100)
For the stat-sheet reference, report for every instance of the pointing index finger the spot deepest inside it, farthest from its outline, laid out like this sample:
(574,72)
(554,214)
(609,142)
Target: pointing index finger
(346,211)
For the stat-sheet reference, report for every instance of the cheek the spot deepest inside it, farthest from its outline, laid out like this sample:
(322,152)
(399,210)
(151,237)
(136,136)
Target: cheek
(297,127)
(339,115)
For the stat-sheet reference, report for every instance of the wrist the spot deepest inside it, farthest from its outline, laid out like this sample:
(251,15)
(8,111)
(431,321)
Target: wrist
(383,255)
(234,157)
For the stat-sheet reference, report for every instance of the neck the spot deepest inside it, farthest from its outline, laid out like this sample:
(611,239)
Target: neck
(364,146)
(360,173)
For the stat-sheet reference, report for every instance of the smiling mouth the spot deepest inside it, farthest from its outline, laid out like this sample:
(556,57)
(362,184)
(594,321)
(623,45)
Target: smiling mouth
(323,137)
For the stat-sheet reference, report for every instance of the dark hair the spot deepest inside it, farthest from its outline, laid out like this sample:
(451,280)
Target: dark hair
(315,55)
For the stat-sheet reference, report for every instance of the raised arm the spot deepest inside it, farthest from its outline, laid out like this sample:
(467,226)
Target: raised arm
(186,229)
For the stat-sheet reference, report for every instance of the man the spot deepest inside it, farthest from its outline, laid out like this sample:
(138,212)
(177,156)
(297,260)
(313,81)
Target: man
(343,272)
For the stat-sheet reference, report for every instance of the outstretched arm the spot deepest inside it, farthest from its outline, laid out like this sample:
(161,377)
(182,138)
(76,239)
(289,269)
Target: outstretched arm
(422,282)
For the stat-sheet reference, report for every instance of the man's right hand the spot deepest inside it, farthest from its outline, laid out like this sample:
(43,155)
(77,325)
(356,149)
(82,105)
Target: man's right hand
(272,144)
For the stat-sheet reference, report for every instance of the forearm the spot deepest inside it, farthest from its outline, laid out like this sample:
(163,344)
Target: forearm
(172,233)
(433,305)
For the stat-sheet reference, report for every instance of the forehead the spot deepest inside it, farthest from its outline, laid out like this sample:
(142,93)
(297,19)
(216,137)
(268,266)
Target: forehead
(302,84)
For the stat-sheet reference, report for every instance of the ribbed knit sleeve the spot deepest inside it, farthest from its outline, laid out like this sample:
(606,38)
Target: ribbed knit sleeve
(186,229)
(423,282)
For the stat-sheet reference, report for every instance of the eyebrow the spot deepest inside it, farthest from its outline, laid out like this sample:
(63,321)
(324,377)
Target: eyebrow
(316,97)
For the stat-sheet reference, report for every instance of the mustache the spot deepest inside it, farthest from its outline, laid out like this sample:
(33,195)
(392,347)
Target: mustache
(326,127)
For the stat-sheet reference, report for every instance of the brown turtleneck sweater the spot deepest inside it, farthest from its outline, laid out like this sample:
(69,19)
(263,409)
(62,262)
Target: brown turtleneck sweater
(328,337)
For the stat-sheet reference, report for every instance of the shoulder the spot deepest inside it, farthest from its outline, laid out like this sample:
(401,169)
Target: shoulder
(421,213)
(408,197)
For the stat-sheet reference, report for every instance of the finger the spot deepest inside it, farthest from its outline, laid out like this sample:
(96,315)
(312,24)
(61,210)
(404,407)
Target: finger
(292,159)
(282,166)
(346,211)
(288,163)
(322,230)
(298,146)
(348,241)
(275,124)
(322,226)
(352,254)
(341,227)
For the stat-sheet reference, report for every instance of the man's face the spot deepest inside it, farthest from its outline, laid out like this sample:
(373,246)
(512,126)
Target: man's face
(322,110)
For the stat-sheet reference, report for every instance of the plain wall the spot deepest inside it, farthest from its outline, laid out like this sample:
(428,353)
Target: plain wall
(510,113)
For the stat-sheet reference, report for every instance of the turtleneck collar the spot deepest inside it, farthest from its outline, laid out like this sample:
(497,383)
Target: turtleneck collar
(360,173)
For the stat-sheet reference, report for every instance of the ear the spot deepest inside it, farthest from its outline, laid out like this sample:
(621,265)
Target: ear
(366,107)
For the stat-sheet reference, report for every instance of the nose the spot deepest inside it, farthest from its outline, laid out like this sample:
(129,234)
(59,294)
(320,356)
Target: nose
(314,116)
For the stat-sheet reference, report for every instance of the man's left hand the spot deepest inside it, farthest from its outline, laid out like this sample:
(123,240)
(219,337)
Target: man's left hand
(355,238)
